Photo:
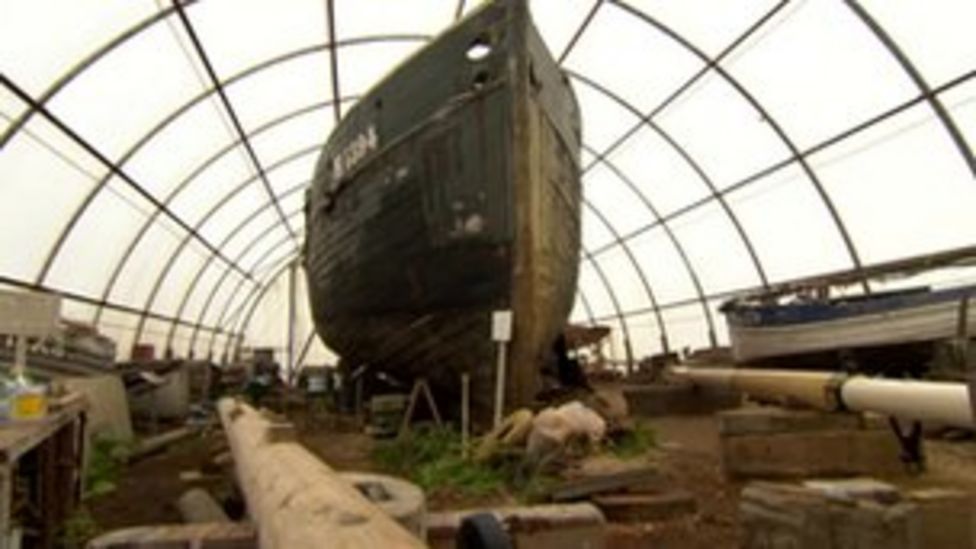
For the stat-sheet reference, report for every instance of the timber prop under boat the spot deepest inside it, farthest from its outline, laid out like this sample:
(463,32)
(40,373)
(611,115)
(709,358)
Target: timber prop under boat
(886,328)
(449,191)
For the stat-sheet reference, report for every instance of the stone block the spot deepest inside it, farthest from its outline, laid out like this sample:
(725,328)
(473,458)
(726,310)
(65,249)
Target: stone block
(811,453)
(947,518)
(770,441)
(787,516)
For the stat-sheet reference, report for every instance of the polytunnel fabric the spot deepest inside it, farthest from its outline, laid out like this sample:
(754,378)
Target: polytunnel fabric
(154,154)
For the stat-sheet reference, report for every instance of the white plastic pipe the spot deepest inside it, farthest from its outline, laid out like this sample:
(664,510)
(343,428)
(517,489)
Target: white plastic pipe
(939,402)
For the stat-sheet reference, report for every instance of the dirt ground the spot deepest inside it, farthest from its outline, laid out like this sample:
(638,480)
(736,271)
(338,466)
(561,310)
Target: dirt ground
(687,453)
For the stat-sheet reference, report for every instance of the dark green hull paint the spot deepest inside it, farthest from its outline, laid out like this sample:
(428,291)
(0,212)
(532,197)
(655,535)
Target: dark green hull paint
(456,192)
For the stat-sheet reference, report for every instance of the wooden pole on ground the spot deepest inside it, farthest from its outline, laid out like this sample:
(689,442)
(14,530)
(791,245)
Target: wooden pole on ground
(296,500)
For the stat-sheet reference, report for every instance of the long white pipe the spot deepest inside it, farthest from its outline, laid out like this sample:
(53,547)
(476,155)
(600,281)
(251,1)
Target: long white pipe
(941,402)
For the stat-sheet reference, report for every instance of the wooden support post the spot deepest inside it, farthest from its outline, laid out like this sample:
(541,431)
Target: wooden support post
(295,499)
(419,387)
(465,412)
(500,383)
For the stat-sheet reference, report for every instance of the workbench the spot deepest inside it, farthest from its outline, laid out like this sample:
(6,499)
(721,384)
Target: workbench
(41,460)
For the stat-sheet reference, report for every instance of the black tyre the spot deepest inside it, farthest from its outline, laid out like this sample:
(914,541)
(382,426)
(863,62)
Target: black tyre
(482,531)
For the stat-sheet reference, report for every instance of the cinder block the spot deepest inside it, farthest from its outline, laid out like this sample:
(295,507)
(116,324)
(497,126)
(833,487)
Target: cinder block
(572,526)
(658,399)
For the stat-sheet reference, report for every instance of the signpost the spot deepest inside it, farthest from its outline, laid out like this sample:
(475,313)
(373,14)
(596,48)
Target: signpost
(501,333)
(25,315)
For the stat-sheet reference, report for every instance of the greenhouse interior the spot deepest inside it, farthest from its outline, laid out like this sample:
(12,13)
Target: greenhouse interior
(497,273)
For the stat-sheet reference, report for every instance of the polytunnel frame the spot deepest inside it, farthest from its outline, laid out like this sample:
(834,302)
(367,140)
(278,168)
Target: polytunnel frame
(928,94)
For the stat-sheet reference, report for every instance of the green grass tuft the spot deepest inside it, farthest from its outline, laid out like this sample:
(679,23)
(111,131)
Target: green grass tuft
(634,442)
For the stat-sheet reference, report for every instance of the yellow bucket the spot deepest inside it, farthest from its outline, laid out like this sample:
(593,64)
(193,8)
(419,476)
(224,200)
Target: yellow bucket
(28,405)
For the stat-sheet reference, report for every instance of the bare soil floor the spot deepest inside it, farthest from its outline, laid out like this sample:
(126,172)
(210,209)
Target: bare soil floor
(687,453)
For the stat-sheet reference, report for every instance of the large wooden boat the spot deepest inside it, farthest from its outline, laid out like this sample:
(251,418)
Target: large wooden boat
(889,327)
(451,190)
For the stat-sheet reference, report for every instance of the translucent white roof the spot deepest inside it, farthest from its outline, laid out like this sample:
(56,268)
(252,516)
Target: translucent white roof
(154,155)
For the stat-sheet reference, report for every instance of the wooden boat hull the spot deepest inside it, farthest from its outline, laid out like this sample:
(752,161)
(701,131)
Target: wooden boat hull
(763,333)
(450,191)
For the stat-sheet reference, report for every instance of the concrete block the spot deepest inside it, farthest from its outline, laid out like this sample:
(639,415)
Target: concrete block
(678,398)
(773,419)
(947,518)
(646,507)
(770,441)
(573,526)
(781,515)
(812,453)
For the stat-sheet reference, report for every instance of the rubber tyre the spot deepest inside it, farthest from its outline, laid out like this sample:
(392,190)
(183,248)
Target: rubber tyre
(482,531)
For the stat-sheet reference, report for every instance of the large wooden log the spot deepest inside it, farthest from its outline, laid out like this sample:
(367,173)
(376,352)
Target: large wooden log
(295,499)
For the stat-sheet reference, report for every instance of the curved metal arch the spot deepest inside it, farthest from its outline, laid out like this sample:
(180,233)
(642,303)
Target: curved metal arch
(579,32)
(113,169)
(230,236)
(250,304)
(271,249)
(675,242)
(699,171)
(257,265)
(795,153)
(916,76)
(235,120)
(174,257)
(809,151)
(693,79)
(183,109)
(196,172)
(83,65)
(640,273)
(621,318)
(586,306)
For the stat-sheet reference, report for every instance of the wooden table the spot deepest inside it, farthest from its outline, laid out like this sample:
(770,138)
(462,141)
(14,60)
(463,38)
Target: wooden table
(54,446)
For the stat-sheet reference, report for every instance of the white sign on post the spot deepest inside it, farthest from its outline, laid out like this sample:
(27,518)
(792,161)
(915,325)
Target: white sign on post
(501,325)
(29,314)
